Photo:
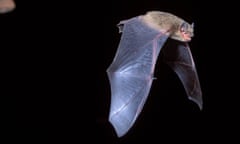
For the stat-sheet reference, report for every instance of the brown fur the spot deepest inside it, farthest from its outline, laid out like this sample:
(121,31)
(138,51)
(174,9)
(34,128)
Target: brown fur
(166,22)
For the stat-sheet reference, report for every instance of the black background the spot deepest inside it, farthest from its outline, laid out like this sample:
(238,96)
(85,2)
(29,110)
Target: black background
(56,56)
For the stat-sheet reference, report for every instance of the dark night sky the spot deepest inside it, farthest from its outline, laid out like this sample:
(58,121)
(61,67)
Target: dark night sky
(60,63)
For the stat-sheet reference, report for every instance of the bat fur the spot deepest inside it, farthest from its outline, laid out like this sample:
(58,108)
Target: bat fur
(163,21)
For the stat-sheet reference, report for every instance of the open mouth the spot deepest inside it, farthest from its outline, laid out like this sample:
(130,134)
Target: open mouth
(186,36)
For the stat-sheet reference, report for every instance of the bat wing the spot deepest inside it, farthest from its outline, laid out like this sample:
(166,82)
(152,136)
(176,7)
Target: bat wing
(131,72)
(180,59)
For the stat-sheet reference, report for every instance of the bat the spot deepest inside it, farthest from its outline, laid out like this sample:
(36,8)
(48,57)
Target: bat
(131,72)
(6,6)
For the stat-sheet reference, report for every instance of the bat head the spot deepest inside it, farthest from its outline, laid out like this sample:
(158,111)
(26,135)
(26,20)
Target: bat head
(186,32)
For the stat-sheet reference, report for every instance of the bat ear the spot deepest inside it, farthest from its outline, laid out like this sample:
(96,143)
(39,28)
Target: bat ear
(184,27)
(192,25)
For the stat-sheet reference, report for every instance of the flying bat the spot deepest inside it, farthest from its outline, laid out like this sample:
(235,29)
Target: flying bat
(132,71)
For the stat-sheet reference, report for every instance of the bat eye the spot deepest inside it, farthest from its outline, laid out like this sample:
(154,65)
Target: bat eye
(184,27)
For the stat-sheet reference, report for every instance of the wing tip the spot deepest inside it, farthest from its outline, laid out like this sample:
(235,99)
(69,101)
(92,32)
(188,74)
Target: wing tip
(198,101)
(120,132)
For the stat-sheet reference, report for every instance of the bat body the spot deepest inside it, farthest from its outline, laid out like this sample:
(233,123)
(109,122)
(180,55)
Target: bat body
(132,71)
